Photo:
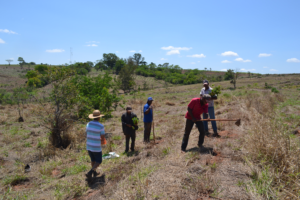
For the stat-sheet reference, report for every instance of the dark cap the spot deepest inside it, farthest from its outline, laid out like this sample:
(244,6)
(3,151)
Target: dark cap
(128,108)
(205,82)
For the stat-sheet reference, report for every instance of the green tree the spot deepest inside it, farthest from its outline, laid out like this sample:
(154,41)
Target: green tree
(137,57)
(126,78)
(21,62)
(119,65)
(100,65)
(229,75)
(9,61)
(91,64)
(110,60)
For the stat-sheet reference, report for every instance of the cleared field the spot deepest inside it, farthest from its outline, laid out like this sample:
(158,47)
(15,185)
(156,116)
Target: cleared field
(225,170)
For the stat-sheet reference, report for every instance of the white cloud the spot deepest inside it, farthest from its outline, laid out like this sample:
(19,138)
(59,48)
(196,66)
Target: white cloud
(295,60)
(273,70)
(223,70)
(193,63)
(229,53)
(55,50)
(92,45)
(163,59)
(117,51)
(1,41)
(197,56)
(132,51)
(175,50)
(140,51)
(7,31)
(226,61)
(265,67)
(247,70)
(264,55)
(242,60)
(198,61)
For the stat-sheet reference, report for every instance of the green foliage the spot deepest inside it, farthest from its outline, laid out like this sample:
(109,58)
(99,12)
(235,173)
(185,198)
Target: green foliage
(36,77)
(274,90)
(76,169)
(119,65)
(81,68)
(116,137)
(135,121)
(42,69)
(215,91)
(96,93)
(229,75)
(110,60)
(100,65)
(267,86)
(126,78)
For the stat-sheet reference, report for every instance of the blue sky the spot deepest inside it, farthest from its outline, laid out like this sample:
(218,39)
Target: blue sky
(250,35)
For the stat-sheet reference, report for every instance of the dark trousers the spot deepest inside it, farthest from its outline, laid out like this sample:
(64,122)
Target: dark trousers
(128,137)
(188,128)
(147,131)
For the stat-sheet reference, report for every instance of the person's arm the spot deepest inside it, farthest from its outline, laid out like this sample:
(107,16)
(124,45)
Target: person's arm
(124,122)
(201,92)
(205,111)
(148,110)
(191,114)
(215,97)
(102,136)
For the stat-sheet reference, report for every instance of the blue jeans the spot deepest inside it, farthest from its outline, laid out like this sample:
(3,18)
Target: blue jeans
(211,112)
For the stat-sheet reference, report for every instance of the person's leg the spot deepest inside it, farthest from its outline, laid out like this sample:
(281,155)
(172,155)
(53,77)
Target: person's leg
(201,133)
(211,112)
(188,127)
(132,142)
(127,142)
(147,131)
(96,160)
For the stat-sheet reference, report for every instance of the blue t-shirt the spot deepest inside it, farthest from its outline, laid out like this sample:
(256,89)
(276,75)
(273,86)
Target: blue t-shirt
(147,117)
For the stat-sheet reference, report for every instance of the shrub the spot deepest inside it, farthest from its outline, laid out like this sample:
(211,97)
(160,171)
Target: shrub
(274,90)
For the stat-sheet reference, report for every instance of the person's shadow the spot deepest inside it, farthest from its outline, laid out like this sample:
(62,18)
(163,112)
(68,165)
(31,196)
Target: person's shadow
(97,182)
(205,150)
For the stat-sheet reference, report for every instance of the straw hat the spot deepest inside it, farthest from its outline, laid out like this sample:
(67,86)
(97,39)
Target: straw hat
(96,114)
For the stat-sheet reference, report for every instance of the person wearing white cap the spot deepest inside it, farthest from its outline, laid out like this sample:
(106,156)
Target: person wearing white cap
(211,110)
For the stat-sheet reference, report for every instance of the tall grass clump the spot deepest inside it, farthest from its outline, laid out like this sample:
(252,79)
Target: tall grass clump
(273,156)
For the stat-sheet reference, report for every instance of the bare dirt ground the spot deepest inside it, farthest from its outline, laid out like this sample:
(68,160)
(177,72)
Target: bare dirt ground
(155,171)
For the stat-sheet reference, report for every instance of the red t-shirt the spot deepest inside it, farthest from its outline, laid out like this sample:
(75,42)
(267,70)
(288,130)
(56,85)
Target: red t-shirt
(195,105)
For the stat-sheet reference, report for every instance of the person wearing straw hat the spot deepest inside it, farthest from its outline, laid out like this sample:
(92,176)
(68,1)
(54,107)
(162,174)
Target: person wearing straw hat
(95,136)
(129,128)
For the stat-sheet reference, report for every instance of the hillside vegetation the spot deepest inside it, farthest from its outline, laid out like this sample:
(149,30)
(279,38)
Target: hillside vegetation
(257,160)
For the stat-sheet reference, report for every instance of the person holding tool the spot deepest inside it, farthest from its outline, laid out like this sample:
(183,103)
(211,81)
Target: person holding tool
(211,111)
(148,118)
(196,107)
(129,127)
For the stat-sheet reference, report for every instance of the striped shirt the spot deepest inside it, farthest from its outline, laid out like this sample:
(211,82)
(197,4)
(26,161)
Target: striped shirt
(93,131)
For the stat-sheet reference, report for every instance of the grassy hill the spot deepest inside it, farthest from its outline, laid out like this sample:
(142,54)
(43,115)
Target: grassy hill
(257,160)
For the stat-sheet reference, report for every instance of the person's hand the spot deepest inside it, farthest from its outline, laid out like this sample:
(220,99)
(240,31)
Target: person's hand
(206,115)
(194,119)
(128,125)
(150,107)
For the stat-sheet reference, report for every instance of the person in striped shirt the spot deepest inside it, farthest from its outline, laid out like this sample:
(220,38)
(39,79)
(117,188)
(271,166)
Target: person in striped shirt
(94,134)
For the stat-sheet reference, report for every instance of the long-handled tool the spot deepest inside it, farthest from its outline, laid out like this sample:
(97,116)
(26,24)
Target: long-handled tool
(153,125)
(237,121)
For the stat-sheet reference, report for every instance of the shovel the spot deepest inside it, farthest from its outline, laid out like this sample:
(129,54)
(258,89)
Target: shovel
(237,121)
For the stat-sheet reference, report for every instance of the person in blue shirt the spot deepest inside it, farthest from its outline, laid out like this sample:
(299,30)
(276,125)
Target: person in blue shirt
(148,118)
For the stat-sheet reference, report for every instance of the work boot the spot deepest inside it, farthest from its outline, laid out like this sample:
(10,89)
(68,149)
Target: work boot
(216,134)
(201,148)
(207,133)
(89,174)
(95,173)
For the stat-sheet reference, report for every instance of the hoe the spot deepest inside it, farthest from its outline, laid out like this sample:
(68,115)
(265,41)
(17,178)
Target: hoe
(237,121)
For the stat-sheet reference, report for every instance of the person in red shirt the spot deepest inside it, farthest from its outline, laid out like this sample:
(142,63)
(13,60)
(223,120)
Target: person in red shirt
(196,107)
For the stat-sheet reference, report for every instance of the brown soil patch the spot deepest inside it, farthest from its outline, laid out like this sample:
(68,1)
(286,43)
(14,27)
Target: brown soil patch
(55,172)
(22,186)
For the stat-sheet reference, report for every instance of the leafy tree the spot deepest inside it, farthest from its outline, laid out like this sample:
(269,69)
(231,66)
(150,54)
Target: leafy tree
(119,65)
(32,63)
(110,60)
(42,69)
(9,61)
(137,57)
(126,78)
(100,65)
(21,62)
(229,75)
(91,64)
